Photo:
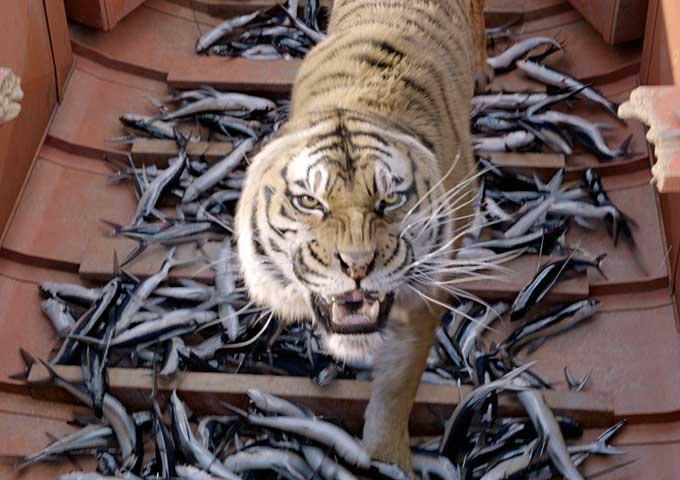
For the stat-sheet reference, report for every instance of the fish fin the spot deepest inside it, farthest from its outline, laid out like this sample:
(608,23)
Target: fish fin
(535,345)
(571,380)
(608,470)
(598,261)
(86,340)
(137,251)
(29,361)
(549,51)
(116,227)
(235,409)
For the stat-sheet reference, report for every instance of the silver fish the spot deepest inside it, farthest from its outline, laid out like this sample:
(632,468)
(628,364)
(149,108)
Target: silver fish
(531,218)
(544,421)
(510,101)
(175,323)
(328,469)
(152,193)
(208,39)
(286,463)
(508,58)
(190,446)
(224,286)
(427,464)
(118,417)
(275,405)
(218,171)
(509,142)
(587,128)
(220,102)
(553,77)
(88,437)
(59,315)
(142,292)
(70,292)
(348,447)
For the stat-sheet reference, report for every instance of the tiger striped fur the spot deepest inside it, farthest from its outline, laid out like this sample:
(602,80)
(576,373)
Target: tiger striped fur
(347,217)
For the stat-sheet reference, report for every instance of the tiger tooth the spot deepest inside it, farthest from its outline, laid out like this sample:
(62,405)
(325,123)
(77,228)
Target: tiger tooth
(373,311)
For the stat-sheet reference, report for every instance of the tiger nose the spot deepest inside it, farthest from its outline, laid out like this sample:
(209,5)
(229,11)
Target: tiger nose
(356,265)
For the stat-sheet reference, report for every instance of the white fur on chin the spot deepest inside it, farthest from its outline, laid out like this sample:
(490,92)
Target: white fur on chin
(353,347)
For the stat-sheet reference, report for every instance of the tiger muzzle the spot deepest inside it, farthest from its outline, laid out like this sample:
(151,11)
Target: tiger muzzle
(354,312)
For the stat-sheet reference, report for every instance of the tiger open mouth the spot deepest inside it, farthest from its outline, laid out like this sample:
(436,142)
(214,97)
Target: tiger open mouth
(354,312)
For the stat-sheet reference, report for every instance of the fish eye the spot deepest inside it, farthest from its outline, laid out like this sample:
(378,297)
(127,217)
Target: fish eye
(307,202)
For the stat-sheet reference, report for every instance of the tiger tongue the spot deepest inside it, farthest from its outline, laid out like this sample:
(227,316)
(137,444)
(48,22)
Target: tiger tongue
(355,296)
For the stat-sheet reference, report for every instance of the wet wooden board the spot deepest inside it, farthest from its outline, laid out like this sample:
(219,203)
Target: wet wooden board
(628,266)
(526,161)
(613,344)
(98,264)
(520,272)
(88,117)
(61,207)
(21,319)
(343,399)
(147,151)
(273,77)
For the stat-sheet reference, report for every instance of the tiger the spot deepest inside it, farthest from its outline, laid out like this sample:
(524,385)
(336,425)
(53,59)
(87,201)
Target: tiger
(348,217)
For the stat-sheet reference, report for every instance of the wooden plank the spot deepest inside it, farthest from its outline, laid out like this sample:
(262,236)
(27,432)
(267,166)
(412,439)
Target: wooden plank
(522,270)
(238,74)
(149,151)
(97,264)
(533,161)
(343,399)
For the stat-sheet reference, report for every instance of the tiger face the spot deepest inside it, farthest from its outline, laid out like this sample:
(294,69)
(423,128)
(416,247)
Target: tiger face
(341,221)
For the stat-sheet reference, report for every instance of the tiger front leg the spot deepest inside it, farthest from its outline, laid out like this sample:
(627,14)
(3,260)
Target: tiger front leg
(396,377)
(484,74)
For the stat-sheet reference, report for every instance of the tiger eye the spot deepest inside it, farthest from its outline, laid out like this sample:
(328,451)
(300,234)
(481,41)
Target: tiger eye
(308,201)
(391,199)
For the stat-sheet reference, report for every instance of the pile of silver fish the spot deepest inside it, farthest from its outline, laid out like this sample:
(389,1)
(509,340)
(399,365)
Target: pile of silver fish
(175,324)
(528,121)
(279,439)
(275,33)
(223,116)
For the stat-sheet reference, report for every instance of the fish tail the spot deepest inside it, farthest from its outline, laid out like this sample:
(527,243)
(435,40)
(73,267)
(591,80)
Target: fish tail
(602,447)
(29,361)
(613,108)
(542,56)
(625,145)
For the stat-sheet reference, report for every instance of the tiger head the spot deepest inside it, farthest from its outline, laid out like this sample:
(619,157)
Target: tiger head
(340,221)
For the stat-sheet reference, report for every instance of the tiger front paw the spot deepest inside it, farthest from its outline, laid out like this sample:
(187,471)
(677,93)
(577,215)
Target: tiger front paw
(484,76)
(391,448)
